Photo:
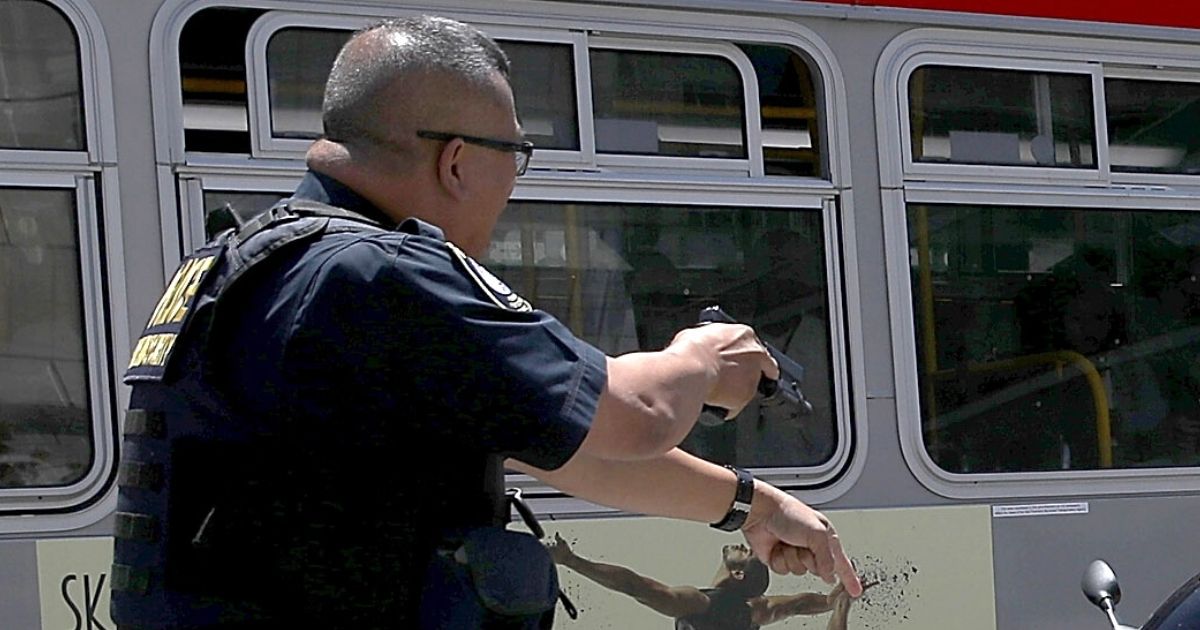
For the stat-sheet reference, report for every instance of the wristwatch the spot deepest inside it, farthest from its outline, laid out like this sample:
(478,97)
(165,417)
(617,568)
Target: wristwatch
(740,509)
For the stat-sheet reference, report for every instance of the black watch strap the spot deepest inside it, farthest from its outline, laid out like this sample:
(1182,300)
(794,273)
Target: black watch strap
(740,509)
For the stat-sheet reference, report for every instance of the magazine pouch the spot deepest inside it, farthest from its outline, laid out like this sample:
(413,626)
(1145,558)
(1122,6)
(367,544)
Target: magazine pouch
(496,580)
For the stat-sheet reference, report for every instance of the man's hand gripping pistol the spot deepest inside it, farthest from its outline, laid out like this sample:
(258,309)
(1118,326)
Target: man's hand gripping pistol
(786,390)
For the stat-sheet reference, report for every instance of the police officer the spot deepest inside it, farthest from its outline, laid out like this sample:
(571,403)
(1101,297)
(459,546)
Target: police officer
(325,397)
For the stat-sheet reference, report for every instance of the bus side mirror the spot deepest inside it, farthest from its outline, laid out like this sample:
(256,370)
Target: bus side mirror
(1101,588)
(1100,584)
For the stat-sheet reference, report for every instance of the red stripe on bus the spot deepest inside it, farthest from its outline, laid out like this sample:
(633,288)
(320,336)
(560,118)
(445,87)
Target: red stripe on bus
(1181,14)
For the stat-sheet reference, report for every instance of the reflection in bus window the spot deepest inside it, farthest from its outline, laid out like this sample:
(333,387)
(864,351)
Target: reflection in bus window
(1006,117)
(671,104)
(1054,339)
(44,412)
(1152,126)
(543,85)
(791,118)
(628,277)
(41,104)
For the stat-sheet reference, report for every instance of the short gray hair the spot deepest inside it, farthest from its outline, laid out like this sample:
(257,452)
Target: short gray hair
(362,72)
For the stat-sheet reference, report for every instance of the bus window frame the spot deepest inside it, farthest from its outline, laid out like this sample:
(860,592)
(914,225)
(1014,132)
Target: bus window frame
(812,478)
(1021,483)
(994,172)
(904,183)
(652,24)
(584,157)
(50,160)
(102,419)
(265,144)
(102,264)
(96,93)
(1142,73)
(751,119)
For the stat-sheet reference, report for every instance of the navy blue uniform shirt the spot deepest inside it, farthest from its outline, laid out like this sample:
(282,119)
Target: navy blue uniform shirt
(386,366)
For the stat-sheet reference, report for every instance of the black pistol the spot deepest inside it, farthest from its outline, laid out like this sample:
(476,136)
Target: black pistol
(786,389)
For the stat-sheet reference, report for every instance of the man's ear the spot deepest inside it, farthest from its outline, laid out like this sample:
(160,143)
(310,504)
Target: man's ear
(451,169)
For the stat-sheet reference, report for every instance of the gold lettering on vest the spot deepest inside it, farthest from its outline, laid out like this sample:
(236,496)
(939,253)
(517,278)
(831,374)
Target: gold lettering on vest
(152,350)
(168,296)
(172,307)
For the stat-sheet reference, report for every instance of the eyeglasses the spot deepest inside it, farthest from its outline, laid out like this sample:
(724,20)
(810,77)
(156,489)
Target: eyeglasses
(522,151)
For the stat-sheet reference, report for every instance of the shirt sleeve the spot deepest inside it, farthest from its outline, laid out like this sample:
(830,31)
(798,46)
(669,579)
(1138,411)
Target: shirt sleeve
(409,328)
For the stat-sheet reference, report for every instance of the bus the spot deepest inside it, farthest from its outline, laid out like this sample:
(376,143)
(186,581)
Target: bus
(975,224)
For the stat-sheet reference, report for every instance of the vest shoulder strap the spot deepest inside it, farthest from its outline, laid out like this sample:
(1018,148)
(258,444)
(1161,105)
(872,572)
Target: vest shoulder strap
(206,275)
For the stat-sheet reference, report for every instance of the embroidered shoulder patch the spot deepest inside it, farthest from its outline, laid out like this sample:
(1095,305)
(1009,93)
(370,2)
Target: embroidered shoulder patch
(493,287)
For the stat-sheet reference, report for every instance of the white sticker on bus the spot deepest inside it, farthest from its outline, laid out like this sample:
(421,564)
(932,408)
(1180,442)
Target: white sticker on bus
(1039,509)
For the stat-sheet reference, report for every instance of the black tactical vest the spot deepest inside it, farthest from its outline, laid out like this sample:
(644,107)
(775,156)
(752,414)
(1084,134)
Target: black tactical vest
(195,507)
(203,490)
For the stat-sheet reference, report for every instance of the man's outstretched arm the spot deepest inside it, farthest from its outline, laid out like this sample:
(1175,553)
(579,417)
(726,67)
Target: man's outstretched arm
(783,532)
(672,601)
(774,608)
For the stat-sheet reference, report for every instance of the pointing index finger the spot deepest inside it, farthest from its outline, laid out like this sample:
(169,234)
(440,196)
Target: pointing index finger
(843,567)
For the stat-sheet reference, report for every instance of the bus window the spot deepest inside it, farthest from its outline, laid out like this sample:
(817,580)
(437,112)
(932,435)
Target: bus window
(299,59)
(41,106)
(966,115)
(543,84)
(45,416)
(628,277)
(663,103)
(669,104)
(791,114)
(1152,126)
(212,59)
(298,62)
(1056,339)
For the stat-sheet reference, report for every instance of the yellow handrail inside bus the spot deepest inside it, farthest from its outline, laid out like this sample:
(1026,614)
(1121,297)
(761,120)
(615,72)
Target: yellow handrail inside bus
(1059,359)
